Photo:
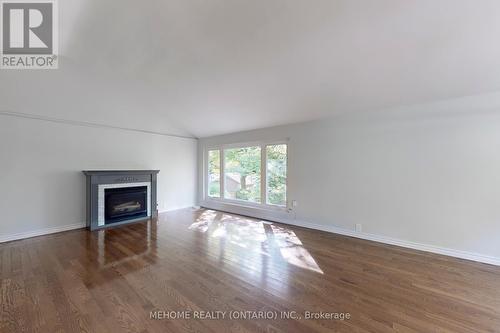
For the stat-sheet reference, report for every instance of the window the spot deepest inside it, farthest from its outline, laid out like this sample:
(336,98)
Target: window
(256,174)
(276,165)
(214,173)
(242,174)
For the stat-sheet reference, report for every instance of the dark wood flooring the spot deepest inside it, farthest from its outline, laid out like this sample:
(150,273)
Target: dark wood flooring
(111,281)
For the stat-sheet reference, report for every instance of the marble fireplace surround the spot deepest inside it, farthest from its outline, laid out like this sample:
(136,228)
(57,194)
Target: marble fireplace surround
(99,180)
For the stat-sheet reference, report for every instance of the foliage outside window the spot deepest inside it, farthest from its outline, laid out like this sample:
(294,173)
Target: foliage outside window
(255,174)
(214,173)
(242,174)
(276,174)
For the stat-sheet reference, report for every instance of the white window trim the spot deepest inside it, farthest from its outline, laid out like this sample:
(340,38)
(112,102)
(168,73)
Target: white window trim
(243,203)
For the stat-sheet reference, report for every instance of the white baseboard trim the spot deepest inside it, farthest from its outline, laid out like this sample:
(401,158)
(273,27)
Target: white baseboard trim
(52,230)
(403,243)
(46,231)
(362,235)
(328,228)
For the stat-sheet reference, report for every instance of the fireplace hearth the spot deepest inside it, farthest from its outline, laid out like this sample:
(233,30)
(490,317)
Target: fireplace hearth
(120,197)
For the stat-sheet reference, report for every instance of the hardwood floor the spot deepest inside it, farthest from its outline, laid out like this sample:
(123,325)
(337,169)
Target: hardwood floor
(111,281)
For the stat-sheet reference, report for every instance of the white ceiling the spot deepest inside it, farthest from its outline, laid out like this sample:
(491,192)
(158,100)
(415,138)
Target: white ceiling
(207,67)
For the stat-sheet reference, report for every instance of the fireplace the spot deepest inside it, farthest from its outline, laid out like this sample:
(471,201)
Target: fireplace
(126,203)
(120,197)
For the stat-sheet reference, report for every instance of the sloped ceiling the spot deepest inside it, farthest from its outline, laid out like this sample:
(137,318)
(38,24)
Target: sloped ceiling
(207,67)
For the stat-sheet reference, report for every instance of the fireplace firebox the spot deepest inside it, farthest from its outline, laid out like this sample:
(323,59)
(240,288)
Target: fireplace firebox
(122,204)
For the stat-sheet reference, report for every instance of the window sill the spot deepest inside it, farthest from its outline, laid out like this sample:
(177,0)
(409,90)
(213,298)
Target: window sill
(264,212)
(245,204)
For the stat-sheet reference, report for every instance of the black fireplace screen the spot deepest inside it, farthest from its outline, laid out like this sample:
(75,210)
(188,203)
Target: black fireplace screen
(125,203)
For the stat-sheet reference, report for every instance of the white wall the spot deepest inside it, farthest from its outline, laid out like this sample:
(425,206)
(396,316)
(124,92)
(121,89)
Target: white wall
(424,179)
(42,188)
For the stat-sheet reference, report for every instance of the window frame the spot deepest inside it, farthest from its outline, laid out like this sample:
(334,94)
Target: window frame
(263,174)
(264,167)
(221,195)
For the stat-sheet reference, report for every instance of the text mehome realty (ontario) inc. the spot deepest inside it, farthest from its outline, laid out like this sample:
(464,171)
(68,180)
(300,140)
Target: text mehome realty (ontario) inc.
(247,315)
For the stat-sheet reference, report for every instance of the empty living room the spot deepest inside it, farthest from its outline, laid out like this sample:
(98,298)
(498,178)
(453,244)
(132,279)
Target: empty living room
(277,166)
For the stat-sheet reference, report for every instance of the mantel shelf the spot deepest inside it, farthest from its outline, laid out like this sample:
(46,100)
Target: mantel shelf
(118,172)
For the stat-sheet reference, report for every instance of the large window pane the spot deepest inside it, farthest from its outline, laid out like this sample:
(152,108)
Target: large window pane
(276,174)
(214,173)
(242,174)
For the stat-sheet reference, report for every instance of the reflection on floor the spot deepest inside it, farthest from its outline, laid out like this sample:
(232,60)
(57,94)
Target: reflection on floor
(110,248)
(256,236)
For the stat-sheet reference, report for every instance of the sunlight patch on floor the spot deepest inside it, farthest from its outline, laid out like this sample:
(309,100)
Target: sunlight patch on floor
(260,237)
(204,221)
(292,250)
